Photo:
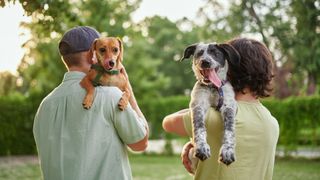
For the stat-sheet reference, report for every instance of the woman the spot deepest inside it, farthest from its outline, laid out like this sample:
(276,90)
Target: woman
(257,131)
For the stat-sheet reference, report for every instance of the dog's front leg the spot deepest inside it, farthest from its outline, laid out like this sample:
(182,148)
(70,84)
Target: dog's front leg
(227,152)
(199,106)
(228,111)
(123,103)
(88,99)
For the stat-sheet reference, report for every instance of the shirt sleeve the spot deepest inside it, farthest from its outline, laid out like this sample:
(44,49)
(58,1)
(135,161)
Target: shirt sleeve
(187,123)
(130,127)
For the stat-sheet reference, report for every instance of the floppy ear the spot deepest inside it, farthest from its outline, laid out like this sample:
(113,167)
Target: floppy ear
(231,54)
(189,51)
(92,53)
(120,57)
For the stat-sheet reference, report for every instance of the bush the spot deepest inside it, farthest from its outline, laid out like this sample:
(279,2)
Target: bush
(156,109)
(298,117)
(16,126)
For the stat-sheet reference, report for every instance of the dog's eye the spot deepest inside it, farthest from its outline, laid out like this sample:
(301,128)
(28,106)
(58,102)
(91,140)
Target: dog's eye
(115,50)
(212,51)
(102,50)
(200,53)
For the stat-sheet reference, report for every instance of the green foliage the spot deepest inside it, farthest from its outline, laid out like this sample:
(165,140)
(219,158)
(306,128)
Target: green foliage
(156,109)
(298,118)
(16,126)
(7,83)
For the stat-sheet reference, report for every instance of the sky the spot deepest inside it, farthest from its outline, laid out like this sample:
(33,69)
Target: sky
(11,16)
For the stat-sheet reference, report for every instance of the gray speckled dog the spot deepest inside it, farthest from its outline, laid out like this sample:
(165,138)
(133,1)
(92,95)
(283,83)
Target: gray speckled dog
(210,65)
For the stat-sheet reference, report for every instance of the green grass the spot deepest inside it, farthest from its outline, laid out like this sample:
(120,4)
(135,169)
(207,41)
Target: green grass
(170,168)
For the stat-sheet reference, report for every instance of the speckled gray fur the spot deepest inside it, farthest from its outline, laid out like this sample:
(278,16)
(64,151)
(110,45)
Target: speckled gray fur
(204,96)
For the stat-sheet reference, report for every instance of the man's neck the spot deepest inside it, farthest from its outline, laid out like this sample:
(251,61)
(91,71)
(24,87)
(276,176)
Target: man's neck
(247,96)
(76,68)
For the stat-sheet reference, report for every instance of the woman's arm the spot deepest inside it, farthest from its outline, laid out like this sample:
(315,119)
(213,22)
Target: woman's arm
(173,123)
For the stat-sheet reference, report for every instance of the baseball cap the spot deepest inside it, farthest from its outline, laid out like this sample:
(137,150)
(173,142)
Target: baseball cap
(77,39)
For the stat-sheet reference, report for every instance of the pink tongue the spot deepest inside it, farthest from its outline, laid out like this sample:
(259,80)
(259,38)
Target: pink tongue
(213,77)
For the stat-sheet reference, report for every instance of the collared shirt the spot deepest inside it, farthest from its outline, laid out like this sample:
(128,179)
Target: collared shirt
(257,133)
(78,144)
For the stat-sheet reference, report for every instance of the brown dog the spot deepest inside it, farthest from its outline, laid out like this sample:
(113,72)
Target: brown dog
(106,70)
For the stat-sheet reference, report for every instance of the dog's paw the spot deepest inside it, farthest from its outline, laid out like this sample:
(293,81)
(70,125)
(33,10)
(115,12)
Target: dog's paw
(122,104)
(87,103)
(203,151)
(86,106)
(227,155)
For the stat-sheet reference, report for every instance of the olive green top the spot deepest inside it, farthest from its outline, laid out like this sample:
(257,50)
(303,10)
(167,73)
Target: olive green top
(257,133)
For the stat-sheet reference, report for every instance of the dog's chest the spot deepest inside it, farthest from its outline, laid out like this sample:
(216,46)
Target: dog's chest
(113,80)
(206,94)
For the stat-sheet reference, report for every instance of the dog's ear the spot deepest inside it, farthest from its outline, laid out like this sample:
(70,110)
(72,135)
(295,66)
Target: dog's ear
(189,51)
(92,53)
(231,54)
(120,57)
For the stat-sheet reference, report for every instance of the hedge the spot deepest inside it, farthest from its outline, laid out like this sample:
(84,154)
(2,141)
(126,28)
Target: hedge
(299,120)
(16,120)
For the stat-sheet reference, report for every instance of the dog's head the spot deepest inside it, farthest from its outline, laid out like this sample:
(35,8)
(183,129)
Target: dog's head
(108,52)
(210,61)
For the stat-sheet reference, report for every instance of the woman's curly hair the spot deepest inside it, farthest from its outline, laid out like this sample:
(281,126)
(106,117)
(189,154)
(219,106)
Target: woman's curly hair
(256,67)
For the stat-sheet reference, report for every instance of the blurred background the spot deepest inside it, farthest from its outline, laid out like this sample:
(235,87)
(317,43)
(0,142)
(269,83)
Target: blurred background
(155,33)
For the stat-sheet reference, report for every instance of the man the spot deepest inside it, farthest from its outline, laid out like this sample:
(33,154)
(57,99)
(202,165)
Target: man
(257,131)
(78,144)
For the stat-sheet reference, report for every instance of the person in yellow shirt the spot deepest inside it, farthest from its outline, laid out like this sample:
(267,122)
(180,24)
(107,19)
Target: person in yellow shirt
(257,131)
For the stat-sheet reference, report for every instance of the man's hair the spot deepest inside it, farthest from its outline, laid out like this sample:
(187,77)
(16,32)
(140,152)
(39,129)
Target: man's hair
(256,67)
(74,59)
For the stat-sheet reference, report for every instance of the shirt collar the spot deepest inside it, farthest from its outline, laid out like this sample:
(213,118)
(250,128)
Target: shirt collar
(73,75)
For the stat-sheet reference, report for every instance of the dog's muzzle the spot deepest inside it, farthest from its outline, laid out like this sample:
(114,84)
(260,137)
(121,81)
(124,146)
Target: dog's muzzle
(210,76)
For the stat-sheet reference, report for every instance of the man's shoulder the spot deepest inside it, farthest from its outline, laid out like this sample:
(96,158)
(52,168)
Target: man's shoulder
(110,91)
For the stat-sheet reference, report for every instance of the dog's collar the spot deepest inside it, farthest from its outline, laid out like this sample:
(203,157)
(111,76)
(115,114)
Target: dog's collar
(220,93)
(100,71)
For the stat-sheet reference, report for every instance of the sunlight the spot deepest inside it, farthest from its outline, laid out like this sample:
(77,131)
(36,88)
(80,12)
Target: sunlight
(12,38)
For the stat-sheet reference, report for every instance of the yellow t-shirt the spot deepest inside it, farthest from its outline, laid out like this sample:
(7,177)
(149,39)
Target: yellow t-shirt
(257,133)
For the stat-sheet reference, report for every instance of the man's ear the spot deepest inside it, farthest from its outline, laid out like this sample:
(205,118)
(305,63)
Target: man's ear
(189,51)
(230,53)
(92,53)
(120,57)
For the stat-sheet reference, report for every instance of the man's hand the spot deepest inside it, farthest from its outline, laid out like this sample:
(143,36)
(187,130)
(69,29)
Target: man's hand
(185,157)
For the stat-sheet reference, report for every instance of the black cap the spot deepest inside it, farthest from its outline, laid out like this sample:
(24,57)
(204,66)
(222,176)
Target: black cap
(77,39)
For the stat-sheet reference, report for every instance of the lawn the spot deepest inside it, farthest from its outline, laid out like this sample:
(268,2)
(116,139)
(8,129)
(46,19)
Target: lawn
(168,168)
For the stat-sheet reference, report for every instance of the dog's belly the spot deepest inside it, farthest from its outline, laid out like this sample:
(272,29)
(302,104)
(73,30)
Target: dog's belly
(118,80)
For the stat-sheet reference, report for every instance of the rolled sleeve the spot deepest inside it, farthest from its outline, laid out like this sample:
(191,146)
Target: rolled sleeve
(130,127)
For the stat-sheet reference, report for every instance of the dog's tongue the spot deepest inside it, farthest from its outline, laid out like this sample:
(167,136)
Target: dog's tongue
(213,77)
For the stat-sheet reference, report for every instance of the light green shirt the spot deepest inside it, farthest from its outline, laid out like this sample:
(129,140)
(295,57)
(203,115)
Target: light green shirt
(257,133)
(78,144)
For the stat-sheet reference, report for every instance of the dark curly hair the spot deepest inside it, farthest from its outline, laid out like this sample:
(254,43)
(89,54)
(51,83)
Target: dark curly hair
(256,68)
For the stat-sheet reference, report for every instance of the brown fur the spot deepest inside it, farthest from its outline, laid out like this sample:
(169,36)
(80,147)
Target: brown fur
(104,50)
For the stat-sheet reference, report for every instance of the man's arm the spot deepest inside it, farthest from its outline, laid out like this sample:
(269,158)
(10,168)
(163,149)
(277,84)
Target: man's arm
(173,123)
(142,144)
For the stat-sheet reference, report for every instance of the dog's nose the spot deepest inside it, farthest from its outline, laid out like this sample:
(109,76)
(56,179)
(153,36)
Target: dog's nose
(205,64)
(111,63)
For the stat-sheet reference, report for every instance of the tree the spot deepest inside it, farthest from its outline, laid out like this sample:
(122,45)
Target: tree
(8,83)
(290,29)
(41,68)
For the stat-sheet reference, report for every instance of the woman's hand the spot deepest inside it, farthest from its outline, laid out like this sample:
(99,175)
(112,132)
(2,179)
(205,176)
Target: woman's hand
(185,157)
